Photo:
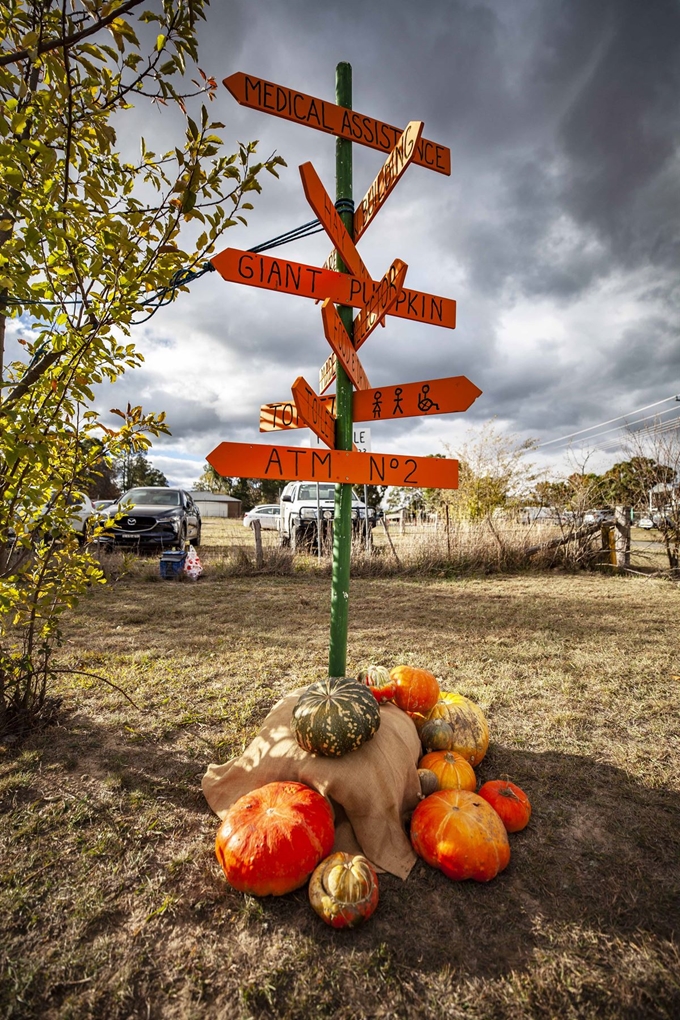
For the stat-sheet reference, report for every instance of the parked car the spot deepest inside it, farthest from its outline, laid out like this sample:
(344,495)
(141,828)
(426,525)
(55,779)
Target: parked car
(153,516)
(81,509)
(299,502)
(598,516)
(267,514)
(644,522)
(102,504)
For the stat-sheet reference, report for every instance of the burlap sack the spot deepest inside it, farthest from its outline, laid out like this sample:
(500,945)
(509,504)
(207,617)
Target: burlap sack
(373,789)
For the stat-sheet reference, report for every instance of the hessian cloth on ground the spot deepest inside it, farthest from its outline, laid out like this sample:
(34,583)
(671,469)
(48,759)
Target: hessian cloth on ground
(373,790)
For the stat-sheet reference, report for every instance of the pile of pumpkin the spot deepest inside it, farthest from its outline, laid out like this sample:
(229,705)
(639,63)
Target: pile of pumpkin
(274,838)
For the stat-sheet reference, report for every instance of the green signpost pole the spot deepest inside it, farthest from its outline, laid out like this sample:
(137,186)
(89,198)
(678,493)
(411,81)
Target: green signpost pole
(342,529)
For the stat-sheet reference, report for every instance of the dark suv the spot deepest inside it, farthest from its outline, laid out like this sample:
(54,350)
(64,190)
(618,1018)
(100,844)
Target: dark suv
(153,516)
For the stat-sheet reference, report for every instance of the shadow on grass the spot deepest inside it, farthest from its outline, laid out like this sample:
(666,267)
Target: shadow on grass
(600,853)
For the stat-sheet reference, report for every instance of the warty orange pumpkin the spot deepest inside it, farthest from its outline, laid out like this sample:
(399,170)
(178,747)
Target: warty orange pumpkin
(272,839)
(459,833)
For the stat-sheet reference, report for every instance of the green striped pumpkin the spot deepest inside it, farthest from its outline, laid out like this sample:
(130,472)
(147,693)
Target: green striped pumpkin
(335,716)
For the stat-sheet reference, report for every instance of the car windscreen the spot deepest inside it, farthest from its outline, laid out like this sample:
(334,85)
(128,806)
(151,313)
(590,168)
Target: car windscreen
(152,497)
(309,492)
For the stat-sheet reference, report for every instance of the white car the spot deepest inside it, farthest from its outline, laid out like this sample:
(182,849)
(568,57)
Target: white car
(83,509)
(267,514)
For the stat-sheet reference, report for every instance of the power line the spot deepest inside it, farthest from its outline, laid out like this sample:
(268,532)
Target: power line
(649,431)
(627,424)
(571,435)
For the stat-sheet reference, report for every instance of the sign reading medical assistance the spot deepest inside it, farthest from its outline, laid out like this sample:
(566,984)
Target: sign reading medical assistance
(280,101)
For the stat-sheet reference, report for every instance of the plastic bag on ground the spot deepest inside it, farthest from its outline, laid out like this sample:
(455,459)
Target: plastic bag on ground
(193,567)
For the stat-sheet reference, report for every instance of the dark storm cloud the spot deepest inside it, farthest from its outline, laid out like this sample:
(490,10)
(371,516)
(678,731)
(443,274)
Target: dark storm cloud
(563,122)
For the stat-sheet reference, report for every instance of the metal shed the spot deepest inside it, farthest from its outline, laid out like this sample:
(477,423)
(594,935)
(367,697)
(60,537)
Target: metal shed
(213,504)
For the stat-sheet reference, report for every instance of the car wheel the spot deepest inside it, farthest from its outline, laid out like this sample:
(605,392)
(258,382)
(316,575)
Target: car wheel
(197,541)
(182,537)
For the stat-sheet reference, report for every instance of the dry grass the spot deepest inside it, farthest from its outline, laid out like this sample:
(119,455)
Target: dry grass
(111,901)
(228,549)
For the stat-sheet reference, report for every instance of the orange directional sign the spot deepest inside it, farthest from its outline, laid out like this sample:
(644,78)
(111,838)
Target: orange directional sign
(282,416)
(382,301)
(250,460)
(434,396)
(312,282)
(323,206)
(312,411)
(280,101)
(338,338)
(392,169)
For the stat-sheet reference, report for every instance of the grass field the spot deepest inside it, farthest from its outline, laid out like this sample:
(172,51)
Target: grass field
(112,904)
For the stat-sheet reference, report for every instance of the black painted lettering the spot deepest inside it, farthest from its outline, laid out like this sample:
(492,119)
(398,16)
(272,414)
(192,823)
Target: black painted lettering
(427,153)
(315,273)
(281,99)
(320,461)
(245,268)
(356,126)
(394,463)
(267,96)
(313,113)
(436,308)
(291,279)
(369,130)
(346,126)
(441,165)
(384,137)
(403,296)
(380,471)
(253,85)
(299,114)
(298,453)
(287,412)
(355,286)
(274,271)
(410,460)
(274,459)
(328,127)
(412,295)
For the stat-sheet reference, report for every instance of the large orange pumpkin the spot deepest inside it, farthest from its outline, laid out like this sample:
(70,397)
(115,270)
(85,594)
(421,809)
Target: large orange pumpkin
(344,890)
(272,839)
(417,690)
(509,802)
(467,732)
(451,770)
(459,833)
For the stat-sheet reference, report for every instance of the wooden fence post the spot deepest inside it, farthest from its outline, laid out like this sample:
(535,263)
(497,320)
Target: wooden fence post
(389,539)
(622,536)
(257,531)
(448,531)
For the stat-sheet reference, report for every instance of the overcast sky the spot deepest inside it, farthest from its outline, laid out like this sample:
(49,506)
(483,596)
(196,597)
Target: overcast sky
(556,233)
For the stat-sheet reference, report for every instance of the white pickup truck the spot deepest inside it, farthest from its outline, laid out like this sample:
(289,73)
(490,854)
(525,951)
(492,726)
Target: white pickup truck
(304,503)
